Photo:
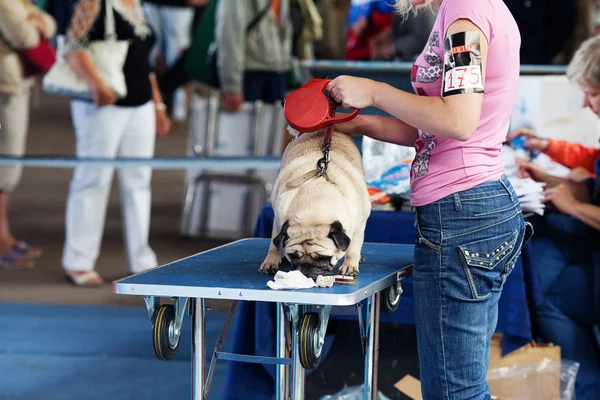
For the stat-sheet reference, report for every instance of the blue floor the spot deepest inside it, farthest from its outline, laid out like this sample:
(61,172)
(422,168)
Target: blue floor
(54,352)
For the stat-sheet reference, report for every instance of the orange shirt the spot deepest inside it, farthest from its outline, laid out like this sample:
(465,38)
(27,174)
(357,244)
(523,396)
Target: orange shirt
(572,155)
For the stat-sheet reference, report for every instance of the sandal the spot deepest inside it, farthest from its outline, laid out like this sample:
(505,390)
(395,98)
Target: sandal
(15,260)
(27,250)
(84,279)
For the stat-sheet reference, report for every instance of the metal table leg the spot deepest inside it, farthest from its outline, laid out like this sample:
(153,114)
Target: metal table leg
(298,373)
(372,353)
(282,391)
(198,349)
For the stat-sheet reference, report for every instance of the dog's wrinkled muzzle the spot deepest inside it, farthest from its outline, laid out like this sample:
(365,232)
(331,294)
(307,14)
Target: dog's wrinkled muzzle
(313,270)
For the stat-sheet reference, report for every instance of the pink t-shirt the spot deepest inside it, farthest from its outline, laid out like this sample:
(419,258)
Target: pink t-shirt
(445,166)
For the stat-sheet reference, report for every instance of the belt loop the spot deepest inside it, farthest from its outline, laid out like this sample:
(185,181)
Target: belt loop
(457,204)
(505,186)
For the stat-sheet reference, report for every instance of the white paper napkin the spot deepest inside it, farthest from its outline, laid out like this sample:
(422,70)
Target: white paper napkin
(297,280)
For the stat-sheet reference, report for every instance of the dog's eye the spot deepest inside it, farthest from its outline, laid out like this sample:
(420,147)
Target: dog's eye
(320,257)
(294,256)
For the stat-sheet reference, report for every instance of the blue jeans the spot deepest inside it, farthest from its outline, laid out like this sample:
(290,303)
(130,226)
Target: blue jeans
(566,315)
(468,244)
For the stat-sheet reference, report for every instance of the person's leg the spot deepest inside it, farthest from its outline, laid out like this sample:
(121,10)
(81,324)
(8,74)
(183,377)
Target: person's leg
(175,77)
(152,12)
(457,285)
(134,184)
(254,85)
(178,21)
(98,132)
(14,117)
(275,87)
(565,318)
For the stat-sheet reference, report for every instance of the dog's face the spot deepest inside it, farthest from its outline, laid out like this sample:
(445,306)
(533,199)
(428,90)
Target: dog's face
(313,250)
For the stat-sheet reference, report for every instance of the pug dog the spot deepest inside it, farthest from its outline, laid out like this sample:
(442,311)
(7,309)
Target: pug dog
(319,220)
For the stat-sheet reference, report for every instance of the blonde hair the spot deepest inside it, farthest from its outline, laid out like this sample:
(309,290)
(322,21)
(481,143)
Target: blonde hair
(584,67)
(404,7)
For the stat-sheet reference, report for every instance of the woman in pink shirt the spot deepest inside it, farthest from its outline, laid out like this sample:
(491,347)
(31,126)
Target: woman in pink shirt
(468,218)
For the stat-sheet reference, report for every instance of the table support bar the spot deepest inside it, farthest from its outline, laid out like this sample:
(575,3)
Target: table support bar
(198,349)
(372,353)
(282,390)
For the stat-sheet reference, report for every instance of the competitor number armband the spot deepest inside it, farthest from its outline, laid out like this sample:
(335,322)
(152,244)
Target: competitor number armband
(462,64)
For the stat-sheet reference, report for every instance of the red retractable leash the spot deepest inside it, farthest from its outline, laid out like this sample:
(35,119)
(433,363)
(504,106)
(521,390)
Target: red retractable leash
(308,109)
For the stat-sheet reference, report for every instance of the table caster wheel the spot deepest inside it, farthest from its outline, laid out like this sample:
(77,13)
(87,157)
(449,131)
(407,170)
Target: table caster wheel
(390,298)
(166,341)
(310,347)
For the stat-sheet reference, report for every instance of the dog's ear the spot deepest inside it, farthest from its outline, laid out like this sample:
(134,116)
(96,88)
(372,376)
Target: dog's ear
(339,237)
(282,236)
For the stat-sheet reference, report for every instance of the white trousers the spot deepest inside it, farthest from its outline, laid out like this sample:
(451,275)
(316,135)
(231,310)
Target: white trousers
(172,27)
(110,131)
(14,121)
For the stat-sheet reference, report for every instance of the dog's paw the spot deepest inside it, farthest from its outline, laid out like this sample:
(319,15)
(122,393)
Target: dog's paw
(348,270)
(362,259)
(270,265)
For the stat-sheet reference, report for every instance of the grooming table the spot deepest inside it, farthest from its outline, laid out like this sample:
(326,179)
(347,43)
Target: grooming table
(230,272)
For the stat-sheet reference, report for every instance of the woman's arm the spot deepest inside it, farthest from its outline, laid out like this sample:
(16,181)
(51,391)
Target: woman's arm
(386,129)
(84,17)
(442,116)
(563,199)
(163,124)
(571,155)
(587,213)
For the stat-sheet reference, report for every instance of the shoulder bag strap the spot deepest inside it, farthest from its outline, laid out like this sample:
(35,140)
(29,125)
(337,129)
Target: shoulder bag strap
(258,17)
(109,21)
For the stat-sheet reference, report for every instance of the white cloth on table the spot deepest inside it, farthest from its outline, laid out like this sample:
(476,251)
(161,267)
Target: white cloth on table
(297,280)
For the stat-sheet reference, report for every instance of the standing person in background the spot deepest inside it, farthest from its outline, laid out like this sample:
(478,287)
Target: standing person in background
(22,25)
(253,65)
(370,23)
(408,37)
(171,21)
(567,244)
(112,127)
(545,25)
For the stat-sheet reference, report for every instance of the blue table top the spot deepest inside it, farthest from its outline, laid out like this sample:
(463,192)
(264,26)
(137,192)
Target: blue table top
(230,272)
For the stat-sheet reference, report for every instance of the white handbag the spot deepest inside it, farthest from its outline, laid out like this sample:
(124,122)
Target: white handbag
(108,57)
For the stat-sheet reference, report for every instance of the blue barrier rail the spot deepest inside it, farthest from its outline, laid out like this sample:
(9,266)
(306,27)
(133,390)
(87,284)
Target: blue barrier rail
(220,163)
(349,67)
(395,73)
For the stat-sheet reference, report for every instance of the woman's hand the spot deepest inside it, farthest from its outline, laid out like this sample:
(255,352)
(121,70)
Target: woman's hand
(529,170)
(104,96)
(561,197)
(38,22)
(532,139)
(352,92)
(163,123)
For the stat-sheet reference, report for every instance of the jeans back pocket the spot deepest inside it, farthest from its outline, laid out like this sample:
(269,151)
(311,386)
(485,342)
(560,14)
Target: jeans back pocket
(484,262)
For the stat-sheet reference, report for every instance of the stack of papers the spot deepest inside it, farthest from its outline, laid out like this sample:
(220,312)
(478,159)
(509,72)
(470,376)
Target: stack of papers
(531,194)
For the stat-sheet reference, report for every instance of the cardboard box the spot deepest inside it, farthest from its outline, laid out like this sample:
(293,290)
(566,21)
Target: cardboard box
(530,372)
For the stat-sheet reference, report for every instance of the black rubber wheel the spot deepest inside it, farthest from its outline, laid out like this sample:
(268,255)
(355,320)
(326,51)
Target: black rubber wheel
(390,298)
(308,341)
(163,332)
